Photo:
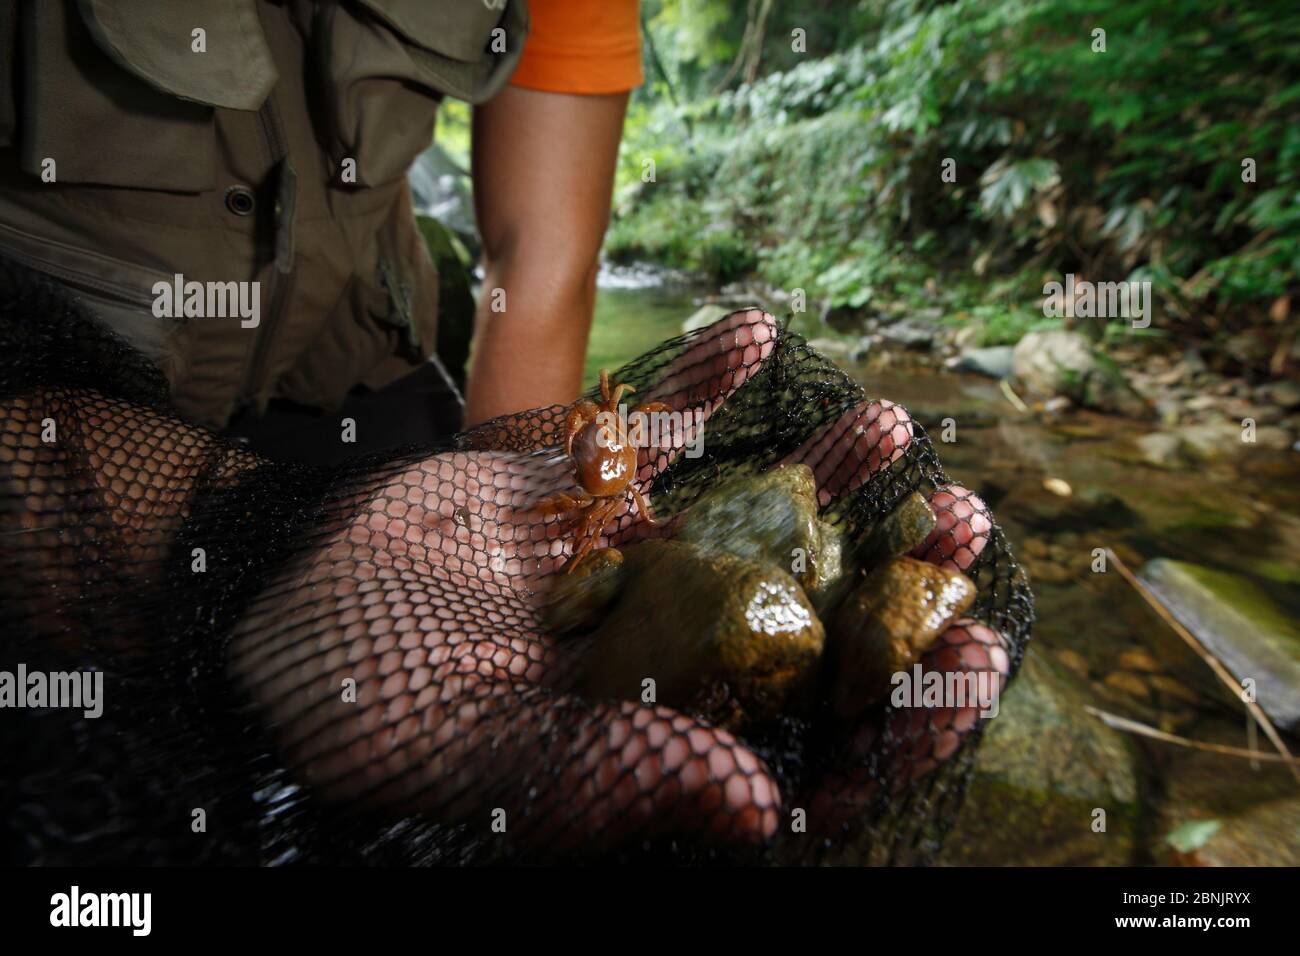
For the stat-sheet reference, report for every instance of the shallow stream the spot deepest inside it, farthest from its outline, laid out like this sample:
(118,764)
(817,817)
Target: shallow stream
(1096,642)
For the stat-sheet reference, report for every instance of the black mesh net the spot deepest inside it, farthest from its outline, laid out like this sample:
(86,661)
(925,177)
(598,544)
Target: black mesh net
(348,665)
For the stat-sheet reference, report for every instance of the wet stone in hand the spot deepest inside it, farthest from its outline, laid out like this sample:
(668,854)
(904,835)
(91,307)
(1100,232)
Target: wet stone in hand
(885,624)
(722,636)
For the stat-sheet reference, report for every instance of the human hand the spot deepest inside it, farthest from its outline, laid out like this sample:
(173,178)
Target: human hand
(425,596)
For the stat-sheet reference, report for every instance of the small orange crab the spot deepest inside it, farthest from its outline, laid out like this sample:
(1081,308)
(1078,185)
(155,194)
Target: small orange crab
(604,465)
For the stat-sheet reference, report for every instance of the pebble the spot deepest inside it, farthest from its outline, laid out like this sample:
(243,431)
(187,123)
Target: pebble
(1139,660)
(1168,687)
(1058,486)
(1073,661)
(885,624)
(1130,684)
(1283,394)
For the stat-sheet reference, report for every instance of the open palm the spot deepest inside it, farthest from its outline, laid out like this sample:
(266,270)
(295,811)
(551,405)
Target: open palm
(403,662)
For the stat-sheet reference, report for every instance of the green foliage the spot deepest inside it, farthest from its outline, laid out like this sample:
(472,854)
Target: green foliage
(826,175)
(1007,324)
(453,133)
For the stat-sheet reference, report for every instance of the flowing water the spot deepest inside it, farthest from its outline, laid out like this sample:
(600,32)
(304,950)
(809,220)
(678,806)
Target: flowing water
(1097,642)
(634,313)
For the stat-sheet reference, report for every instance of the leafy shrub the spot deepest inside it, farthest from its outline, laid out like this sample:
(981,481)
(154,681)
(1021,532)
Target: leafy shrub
(1107,164)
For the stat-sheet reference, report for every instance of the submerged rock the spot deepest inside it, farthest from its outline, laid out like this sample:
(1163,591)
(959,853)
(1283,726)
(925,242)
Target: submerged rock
(1061,362)
(1162,449)
(1209,441)
(578,600)
(995,361)
(913,333)
(1240,625)
(1218,811)
(1043,770)
(720,635)
(902,530)
(769,517)
(835,348)
(886,623)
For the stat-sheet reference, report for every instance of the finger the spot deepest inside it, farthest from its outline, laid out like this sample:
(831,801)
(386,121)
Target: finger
(962,528)
(924,737)
(720,360)
(525,431)
(916,739)
(636,771)
(448,719)
(866,439)
(453,741)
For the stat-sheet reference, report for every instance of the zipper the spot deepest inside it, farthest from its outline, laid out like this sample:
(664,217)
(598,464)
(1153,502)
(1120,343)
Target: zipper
(269,124)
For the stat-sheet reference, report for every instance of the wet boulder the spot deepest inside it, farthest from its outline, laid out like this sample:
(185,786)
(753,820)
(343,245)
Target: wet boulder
(901,531)
(896,534)
(578,600)
(1043,771)
(886,623)
(769,517)
(721,635)
(1063,362)
(1241,625)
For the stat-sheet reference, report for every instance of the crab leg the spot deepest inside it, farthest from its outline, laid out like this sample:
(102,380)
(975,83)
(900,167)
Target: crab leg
(592,523)
(561,503)
(619,391)
(644,507)
(582,414)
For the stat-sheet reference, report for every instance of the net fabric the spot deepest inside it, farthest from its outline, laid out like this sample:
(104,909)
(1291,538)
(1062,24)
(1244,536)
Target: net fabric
(418,577)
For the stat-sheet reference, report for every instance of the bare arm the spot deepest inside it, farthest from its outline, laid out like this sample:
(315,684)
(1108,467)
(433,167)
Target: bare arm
(543,176)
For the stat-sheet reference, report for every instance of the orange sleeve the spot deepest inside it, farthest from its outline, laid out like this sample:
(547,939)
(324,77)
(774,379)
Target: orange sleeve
(581,46)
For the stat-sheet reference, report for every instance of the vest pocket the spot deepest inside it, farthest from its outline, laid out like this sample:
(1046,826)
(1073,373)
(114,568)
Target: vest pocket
(87,119)
(467,50)
(382,66)
(121,293)
(458,31)
(408,280)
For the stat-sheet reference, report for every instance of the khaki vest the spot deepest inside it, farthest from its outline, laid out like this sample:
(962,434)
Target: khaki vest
(241,141)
